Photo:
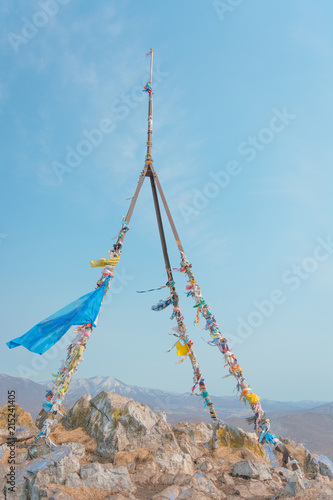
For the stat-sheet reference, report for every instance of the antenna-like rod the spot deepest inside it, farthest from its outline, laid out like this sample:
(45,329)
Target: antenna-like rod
(151,65)
(150,107)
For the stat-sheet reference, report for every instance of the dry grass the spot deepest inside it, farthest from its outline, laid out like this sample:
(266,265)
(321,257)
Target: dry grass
(234,455)
(59,436)
(81,493)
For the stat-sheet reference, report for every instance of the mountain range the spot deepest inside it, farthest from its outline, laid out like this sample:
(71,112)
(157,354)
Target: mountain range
(309,422)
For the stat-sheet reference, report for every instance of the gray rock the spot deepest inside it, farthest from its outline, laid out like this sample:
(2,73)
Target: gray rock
(202,484)
(173,461)
(118,423)
(165,478)
(37,492)
(318,464)
(310,483)
(252,469)
(171,492)
(144,476)
(255,489)
(277,480)
(21,457)
(285,473)
(35,473)
(325,467)
(74,480)
(205,464)
(186,444)
(198,432)
(294,486)
(163,415)
(78,449)
(226,479)
(57,494)
(311,466)
(115,479)
(38,450)
(58,473)
(187,493)
(182,479)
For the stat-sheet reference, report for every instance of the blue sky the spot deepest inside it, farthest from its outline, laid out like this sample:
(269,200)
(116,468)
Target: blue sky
(242,131)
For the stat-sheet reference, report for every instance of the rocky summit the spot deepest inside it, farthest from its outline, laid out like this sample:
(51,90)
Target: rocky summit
(112,447)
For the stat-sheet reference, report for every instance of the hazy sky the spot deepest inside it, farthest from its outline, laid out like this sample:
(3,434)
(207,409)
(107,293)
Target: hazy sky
(243,137)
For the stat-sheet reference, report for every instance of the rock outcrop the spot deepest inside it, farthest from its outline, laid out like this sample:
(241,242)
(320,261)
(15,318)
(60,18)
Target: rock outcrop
(111,447)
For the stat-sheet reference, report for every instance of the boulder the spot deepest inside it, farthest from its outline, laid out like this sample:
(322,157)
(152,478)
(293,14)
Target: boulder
(35,473)
(128,425)
(202,484)
(78,450)
(37,450)
(58,472)
(73,479)
(109,478)
(172,492)
(325,467)
(24,425)
(182,479)
(205,464)
(285,473)
(187,493)
(198,432)
(231,436)
(318,464)
(252,469)
(174,461)
(294,486)
(186,444)
(255,489)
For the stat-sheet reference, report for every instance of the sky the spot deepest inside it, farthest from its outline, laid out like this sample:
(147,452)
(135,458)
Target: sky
(243,148)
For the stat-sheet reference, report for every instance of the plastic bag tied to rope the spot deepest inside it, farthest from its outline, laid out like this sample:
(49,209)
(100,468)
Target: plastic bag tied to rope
(162,304)
(54,397)
(47,333)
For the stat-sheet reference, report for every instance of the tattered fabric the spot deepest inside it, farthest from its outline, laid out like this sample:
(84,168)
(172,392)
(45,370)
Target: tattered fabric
(46,333)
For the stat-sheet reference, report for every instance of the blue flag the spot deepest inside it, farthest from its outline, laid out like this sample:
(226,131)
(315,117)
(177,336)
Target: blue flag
(46,333)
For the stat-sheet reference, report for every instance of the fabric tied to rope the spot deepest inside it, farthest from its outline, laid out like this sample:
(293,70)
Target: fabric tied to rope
(47,333)
(162,304)
(182,350)
(147,88)
(104,262)
(152,289)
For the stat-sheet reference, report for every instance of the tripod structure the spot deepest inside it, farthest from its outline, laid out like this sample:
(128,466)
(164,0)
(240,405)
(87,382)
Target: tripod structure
(54,397)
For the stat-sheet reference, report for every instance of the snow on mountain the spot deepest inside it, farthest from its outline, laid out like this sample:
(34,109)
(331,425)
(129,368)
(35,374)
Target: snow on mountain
(177,406)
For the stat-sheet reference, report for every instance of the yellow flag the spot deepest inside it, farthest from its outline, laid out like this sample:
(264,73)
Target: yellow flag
(105,262)
(252,398)
(182,350)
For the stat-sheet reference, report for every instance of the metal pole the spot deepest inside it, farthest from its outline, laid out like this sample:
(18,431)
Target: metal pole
(136,194)
(198,377)
(150,109)
(151,65)
(166,208)
(161,229)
